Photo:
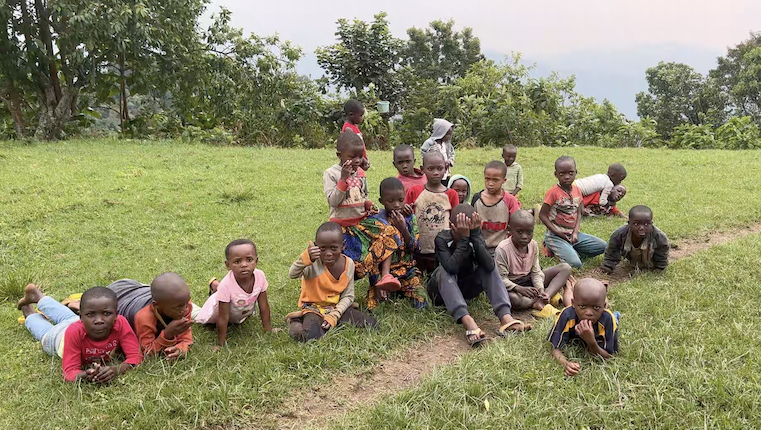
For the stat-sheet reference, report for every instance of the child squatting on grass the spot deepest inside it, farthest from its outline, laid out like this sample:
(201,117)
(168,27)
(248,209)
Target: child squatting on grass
(327,287)
(517,259)
(371,245)
(159,313)
(234,299)
(433,203)
(87,344)
(561,214)
(466,269)
(404,161)
(400,215)
(639,241)
(494,205)
(586,319)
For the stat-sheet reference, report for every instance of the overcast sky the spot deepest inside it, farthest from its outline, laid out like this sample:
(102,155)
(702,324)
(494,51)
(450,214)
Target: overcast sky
(536,28)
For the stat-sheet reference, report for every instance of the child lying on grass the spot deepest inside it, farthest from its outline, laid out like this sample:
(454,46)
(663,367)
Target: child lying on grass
(327,287)
(586,319)
(91,340)
(159,313)
(639,241)
(602,192)
(234,299)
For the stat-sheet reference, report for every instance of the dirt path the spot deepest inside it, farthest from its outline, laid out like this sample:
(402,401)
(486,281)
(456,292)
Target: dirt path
(317,407)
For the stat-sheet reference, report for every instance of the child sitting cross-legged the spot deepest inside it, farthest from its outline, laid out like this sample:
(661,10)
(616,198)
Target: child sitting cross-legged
(587,320)
(368,243)
(159,313)
(433,203)
(398,214)
(466,269)
(639,241)
(327,287)
(88,343)
(517,259)
(494,205)
(234,299)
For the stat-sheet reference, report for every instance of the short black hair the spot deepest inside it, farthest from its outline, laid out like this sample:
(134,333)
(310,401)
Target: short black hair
(520,215)
(402,148)
(640,209)
(329,227)
(353,105)
(462,208)
(390,184)
(346,139)
(494,164)
(511,147)
(433,154)
(237,242)
(618,168)
(562,159)
(96,293)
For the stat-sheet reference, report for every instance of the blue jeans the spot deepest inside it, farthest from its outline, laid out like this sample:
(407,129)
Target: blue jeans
(50,335)
(587,246)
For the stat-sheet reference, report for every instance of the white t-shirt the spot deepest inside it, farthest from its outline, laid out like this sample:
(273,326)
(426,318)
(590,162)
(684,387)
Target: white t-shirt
(596,183)
(242,304)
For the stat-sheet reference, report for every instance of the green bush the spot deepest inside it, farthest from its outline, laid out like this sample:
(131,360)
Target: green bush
(739,133)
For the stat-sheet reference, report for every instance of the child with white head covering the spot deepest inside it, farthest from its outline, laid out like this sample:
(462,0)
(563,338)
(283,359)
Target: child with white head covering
(441,141)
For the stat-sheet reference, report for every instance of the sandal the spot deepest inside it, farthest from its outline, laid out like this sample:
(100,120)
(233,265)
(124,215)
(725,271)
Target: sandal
(548,311)
(389,283)
(475,343)
(503,330)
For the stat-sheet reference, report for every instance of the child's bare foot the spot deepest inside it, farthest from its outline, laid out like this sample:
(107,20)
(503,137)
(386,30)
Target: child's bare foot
(32,294)
(28,310)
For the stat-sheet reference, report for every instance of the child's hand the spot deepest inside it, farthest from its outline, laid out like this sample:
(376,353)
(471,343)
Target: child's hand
(407,210)
(529,292)
(572,368)
(461,225)
(177,327)
(365,164)
(397,220)
(475,221)
(347,169)
(314,251)
(585,332)
(104,374)
(573,237)
(326,325)
(172,353)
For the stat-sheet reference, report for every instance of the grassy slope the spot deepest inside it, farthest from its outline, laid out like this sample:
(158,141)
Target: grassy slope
(688,359)
(78,214)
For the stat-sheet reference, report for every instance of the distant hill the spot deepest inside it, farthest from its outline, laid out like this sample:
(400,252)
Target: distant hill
(614,75)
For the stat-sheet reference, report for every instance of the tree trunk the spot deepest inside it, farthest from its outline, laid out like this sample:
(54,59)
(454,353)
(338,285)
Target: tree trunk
(54,115)
(13,102)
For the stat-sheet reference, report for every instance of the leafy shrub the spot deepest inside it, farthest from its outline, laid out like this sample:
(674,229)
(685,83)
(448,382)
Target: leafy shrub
(690,136)
(739,133)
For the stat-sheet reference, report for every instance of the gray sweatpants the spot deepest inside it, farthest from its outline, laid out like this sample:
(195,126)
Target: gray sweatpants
(452,291)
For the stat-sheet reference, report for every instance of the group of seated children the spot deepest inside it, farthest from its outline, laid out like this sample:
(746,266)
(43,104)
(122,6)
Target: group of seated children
(425,226)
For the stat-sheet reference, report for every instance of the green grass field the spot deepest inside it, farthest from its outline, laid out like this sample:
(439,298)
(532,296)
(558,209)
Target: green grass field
(82,213)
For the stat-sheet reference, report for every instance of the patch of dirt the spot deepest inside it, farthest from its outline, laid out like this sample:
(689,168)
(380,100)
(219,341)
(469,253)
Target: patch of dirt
(318,406)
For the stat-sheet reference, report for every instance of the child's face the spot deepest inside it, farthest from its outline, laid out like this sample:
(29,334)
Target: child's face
(356,117)
(98,316)
(404,161)
(509,156)
(242,260)
(493,181)
(461,187)
(393,200)
(331,246)
(617,193)
(565,172)
(353,153)
(434,169)
(589,303)
(175,306)
(522,231)
(641,224)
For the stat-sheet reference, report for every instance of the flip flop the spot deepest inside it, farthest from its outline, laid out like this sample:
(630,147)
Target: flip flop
(503,330)
(556,300)
(548,311)
(389,283)
(475,343)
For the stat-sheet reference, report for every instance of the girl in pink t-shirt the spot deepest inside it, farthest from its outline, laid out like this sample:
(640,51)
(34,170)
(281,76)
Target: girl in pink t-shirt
(235,298)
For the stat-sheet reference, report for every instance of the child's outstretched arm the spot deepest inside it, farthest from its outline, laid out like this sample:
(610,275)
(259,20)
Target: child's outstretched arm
(264,310)
(223,318)
(571,368)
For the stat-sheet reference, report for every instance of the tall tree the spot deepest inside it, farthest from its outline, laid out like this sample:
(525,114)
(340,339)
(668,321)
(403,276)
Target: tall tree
(677,95)
(739,76)
(440,53)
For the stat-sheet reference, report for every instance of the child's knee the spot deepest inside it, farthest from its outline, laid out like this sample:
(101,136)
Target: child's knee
(565,269)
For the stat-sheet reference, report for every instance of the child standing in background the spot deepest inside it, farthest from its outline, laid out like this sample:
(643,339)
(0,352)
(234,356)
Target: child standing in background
(441,142)
(514,173)
(461,185)
(433,203)
(355,114)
